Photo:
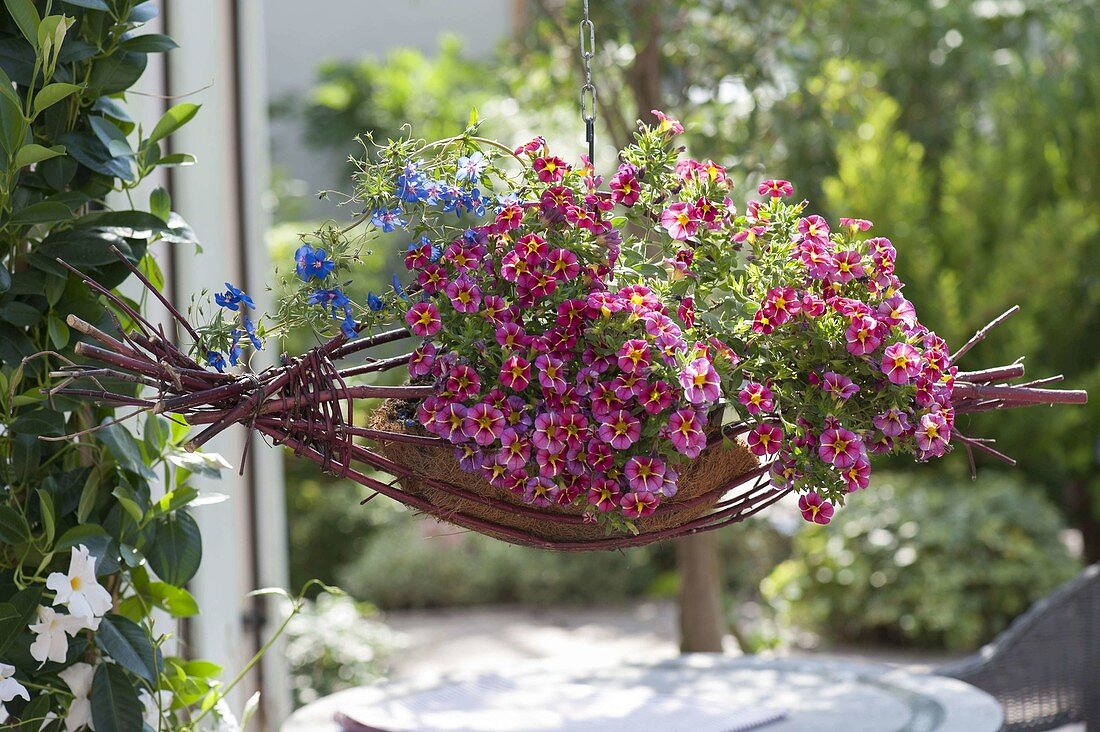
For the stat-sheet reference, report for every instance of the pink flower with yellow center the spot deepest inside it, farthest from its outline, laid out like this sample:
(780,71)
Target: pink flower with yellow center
(765,320)
(765,439)
(540,492)
(511,336)
(432,279)
(785,302)
(423,320)
(634,356)
(605,400)
(625,188)
(599,456)
(849,266)
(775,188)
(620,429)
(685,431)
(463,382)
(513,266)
(854,225)
(838,386)
(681,220)
(548,434)
(575,429)
(422,360)
(892,423)
(862,335)
(515,373)
(814,229)
(656,398)
(604,495)
(666,124)
(510,217)
(901,363)
(645,473)
(563,265)
(858,475)
(815,509)
(450,422)
(700,381)
(551,373)
(639,504)
(839,447)
(550,169)
(418,256)
(551,464)
(464,294)
(933,434)
(483,424)
(686,311)
(515,451)
(494,309)
(532,248)
(756,398)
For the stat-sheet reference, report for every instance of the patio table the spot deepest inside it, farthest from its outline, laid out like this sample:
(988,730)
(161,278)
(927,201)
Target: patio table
(811,694)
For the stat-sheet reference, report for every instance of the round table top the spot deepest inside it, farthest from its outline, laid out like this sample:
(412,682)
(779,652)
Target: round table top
(814,694)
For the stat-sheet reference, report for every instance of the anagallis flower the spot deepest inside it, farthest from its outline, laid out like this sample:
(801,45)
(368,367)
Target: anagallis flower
(388,219)
(815,509)
(78,590)
(550,169)
(625,188)
(756,398)
(484,423)
(463,382)
(470,167)
(233,298)
(620,429)
(765,439)
(892,423)
(312,263)
(838,386)
(901,363)
(563,265)
(814,229)
(862,335)
(681,220)
(216,359)
(839,447)
(639,504)
(515,373)
(775,188)
(933,434)
(464,294)
(645,473)
(423,320)
(50,642)
(634,356)
(685,431)
(700,382)
(551,373)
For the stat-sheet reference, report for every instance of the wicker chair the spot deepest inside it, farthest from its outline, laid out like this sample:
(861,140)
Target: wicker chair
(1045,668)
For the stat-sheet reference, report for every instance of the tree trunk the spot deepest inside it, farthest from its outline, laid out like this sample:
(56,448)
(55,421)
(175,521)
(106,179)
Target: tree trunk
(701,625)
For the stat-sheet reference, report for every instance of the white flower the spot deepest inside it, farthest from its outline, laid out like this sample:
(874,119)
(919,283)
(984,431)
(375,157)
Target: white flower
(153,706)
(79,678)
(78,590)
(9,689)
(51,643)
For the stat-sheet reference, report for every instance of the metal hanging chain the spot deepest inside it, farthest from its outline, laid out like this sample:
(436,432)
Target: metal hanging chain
(588,91)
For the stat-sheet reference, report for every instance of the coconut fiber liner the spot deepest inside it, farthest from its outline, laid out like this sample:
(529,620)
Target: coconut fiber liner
(720,467)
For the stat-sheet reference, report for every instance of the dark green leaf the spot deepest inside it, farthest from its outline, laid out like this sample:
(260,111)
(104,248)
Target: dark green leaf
(14,345)
(177,549)
(16,614)
(89,4)
(49,514)
(43,212)
(26,454)
(79,247)
(113,109)
(75,51)
(144,12)
(5,279)
(20,314)
(40,421)
(26,17)
(92,536)
(17,59)
(31,154)
(117,72)
(152,43)
(173,119)
(122,445)
(115,703)
(34,713)
(93,154)
(12,126)
(129,645)
(127,224)
(13,527)
(89,495)
(176,160)
(58,332)
(110,135)
(51,94)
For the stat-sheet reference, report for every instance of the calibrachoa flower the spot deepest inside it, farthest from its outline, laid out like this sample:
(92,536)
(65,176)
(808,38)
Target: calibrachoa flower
(620,430)
(765,439)
(639,504)
(423,320)
(776,188)
(815,509)
(700,382)
(681,220)
(645,473)
(839,447)
(838,386)
(685,429)
(901,363)
(756,398)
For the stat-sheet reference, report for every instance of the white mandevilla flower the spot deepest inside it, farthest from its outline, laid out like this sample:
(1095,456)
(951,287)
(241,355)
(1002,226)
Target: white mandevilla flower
(153,706)
(79,590)
(9,689)
(51,643)
(79,678)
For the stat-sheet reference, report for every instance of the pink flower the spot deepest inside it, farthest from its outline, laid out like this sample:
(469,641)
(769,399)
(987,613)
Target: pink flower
(656,398)
(862,335)
(849,266)
(540,492)
(548,434)
(855,225)
(892,423)
(700,382)
(450,422)
(765,439)
(604,495)
(815,509)
(551,373)
(421,360)
(575,429)
(896,310)
(484,423)
(465,295)
(515,373)
(756,398)
(599,456)
(681,220)
(901,363)
(624,186)
(423,320)
(532,146)
(639,504)
(550,169)
(667,124)
(685,430)
(515,451)
(634,356)
(814,229)
(839,447)
(605,400)
(628,386)
(645,473)
(620,429)
(819,261)
(563,265)
(432,279)
(765,320)
(838,386)
(858,475)
(511,336)
(775,188)
(463,382)
(933,434)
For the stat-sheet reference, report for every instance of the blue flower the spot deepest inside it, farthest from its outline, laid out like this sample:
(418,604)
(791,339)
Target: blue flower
(232,298)
(235,349)
(507,200)
(388,219)
(471,167)
(216,359)
(411,187)
(474,203)
(332,300)
(312,263)
(348,326)
(374,302)
(397,288)
(250,328)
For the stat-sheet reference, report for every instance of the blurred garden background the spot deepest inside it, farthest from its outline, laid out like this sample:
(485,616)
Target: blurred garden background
(968,131)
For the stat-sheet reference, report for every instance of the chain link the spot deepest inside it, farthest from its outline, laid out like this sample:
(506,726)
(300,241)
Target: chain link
(588,90)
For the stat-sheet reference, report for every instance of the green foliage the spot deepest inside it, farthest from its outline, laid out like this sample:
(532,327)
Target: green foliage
(910,563)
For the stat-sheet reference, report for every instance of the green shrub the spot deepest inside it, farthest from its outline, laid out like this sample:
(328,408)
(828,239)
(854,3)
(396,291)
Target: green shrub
(904,562)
